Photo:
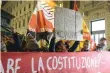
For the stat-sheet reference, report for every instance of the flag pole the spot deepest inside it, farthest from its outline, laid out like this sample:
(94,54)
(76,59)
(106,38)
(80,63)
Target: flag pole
(75,16)
(42,25)
(36,24)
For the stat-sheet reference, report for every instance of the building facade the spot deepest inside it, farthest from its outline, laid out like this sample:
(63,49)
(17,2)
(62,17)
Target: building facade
(22,11)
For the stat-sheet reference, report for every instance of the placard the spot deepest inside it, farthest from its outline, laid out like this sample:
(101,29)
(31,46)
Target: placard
(68,24)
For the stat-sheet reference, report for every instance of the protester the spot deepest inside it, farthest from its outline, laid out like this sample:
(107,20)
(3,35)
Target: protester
(17,41)
(102,44)
(52,45)
(31,45)
(60,47)
(67,44)
(3,46)
(23,45)
(85,46)
(43,49)
(10,44)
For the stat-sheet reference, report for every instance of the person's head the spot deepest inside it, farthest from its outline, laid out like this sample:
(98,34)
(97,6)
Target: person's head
(60,46)
(108,49)
(10,39)
(86,44)
(67,44)
(29,36)
(102,42)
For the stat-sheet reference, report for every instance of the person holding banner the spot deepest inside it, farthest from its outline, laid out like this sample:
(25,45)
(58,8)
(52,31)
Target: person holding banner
(85,46)
(102,44)
(31,45)
(60,47)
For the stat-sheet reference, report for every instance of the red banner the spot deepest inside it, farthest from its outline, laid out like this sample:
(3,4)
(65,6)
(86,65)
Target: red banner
(40,62)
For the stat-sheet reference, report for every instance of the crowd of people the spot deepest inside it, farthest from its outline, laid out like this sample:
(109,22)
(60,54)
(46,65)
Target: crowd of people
(19,43)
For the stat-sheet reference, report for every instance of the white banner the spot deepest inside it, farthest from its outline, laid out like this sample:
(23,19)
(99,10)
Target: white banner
(68,24)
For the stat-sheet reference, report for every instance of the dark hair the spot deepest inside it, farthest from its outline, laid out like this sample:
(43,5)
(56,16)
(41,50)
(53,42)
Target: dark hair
(67,45)
(58,44)
(108,49)
(102,39)
(86,41)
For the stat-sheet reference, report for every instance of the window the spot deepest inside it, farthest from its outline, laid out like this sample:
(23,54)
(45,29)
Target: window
(17,4)
(19,24)
(16,13)
(35,4)
(96,24)
(98,29)
(28,19)
(16,26)
(23,22)
(24,9)
(60,3)
(13,6)
(10,9)
(29,5)
(20,11)
(20,2)
(29,16)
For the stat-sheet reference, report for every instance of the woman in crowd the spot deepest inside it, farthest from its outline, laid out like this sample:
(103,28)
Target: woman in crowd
(85,46)
(60,47)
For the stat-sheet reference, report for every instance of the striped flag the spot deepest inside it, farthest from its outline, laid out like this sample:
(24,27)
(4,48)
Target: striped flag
(86,34)
(42,18)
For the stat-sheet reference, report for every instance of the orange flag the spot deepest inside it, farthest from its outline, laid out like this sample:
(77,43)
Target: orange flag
(87,36)
(42,18)
(86,33)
